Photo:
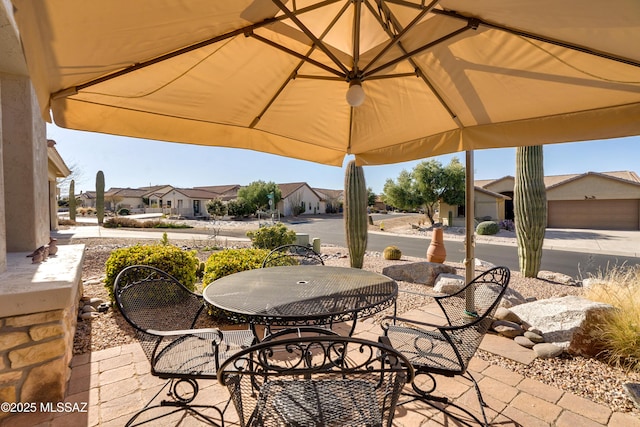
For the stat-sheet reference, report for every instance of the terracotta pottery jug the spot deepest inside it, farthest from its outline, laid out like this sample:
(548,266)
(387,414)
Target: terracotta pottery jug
(436,251)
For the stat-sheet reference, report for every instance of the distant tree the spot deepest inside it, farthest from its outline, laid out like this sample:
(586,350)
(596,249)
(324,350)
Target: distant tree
(401,194)
(113,199)
(427,184)
(296,203)
(371,197)
(216,208)
(434,183)
(239,208)
(256,194)
(77,176)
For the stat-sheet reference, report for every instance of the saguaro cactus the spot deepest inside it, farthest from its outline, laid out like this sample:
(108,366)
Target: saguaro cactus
(530,208)
(100,196)
(355,213)
(72,200)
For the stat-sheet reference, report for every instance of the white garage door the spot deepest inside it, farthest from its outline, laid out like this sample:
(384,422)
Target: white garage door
(599,214)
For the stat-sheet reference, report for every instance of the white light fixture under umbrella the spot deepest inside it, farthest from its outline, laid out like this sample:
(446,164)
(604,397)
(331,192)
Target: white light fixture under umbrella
(355,93)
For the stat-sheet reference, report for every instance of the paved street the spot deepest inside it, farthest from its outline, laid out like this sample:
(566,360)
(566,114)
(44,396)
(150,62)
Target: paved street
(576,253)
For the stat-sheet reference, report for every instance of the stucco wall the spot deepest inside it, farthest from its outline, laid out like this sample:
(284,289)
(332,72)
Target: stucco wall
(304,194)
(502,186)
(25,166)
(593,186)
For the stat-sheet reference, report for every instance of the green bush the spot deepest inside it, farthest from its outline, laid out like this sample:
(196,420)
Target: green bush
(123,211)
(487,228)
(179,263)
(231,261)
(272,237)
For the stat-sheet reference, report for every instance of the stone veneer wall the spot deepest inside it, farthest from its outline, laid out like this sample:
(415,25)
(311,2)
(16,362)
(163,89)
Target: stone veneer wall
(39,305)
(35,353)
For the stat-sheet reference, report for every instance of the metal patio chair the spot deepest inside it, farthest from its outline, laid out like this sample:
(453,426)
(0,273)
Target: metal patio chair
(292,255)
(447,350)
(316,381)
(164,314)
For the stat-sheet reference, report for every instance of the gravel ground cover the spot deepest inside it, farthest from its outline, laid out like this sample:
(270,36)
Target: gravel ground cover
(588,378)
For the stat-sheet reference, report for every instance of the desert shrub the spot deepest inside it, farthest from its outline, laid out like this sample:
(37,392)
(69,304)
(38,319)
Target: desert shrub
(271,237)
(179,263)
(507,224)
(161,224)
(392,253)
(66,222)
(152,223)
(118,222)
(229,261)
(123,211)
(487,228)
(619,334)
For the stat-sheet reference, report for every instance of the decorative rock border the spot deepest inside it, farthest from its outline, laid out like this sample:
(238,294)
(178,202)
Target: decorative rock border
(508,324)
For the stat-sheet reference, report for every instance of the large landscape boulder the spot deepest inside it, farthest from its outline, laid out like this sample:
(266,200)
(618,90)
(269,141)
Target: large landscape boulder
(417,272)
(512,298)
(567,322)
(447,283)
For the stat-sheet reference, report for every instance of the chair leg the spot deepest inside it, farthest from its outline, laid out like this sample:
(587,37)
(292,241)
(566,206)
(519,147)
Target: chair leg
(180,402)
(424,395)
(479,394)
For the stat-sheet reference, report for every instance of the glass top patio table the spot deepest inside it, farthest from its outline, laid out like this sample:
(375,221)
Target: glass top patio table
(301,295)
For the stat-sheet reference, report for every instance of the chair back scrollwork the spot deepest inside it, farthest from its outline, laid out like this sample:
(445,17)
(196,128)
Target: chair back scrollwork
(319,380)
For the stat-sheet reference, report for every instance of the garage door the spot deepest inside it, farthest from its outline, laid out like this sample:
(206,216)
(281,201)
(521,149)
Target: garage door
(599,214)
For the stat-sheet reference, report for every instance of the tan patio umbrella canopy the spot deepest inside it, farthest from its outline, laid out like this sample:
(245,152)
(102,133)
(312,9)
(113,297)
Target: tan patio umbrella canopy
(272,75)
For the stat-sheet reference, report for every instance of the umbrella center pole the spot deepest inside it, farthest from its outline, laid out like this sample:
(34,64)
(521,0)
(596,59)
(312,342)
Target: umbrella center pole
(469,241)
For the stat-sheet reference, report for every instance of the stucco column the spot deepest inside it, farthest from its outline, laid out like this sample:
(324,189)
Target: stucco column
(24,145)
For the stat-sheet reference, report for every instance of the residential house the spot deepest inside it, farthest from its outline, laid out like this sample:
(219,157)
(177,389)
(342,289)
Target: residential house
(333,199)
(129,198)
(596,200)
(88,199)
(488,205)
(300,199)
(154,195)
(188,202)
(224,192)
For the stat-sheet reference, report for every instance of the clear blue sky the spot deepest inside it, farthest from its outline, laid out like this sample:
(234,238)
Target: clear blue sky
(129,162)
